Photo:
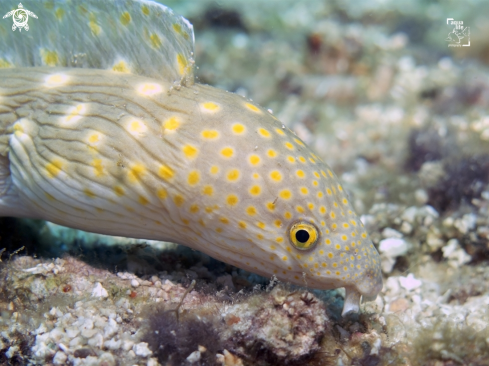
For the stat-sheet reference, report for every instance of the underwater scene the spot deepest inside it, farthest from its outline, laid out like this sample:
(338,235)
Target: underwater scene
(244,182)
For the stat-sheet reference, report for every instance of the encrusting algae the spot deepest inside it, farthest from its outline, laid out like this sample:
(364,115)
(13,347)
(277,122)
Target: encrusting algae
(103,129)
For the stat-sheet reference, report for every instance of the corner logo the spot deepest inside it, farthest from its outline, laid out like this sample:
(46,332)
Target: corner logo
(459,36)
(20,17)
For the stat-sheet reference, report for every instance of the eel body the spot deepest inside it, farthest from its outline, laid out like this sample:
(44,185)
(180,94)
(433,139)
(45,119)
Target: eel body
(109,145)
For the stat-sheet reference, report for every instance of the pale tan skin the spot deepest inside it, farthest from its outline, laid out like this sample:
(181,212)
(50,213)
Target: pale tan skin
(126,155)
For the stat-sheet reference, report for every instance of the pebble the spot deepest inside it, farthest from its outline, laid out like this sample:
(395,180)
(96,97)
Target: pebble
(134,283)
(99,291)
(194,357)
(141,349)
(410,283)
(394,247)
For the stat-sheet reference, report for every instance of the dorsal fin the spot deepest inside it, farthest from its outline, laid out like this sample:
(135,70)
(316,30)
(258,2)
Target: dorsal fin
(141,37)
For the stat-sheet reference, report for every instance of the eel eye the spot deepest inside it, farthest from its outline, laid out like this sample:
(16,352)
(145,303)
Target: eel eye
(303,235)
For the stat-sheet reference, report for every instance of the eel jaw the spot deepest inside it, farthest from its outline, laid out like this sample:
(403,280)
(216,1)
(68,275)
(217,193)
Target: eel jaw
(352,301)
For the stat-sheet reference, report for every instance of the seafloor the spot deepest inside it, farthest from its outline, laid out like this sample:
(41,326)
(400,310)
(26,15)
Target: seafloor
(399,115)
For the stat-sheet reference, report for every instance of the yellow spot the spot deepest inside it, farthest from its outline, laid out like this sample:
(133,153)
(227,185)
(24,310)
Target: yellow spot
(271,153)
(178,28)
(94,138)
(310,206)
(125,18)
(276,176)
(238,128)
(219,230)
(161,193)
(166,172)
(328,191)
(89,193)
(242,224)
(254,159)
(312,161)
(301,159)
(263,132)
(288,215)
(304,190)
(224,220)
(232,200)
(214,169)
(136,128)
(315,183)
(333,215)
(208,190)
(4,63)
(190,151)
(340,188)
(278,223)
(56,79)
(285,194)
(316,174)
(289,146)
(233,175)
(300,209)
(143,200)
(171,124)
(227,152)
(76,113)
(346,226)
(291,159)
(145,10)
(251,211)
(136,172)
(271,206)
(182,64)
(256,175)
(155,40)
(320,194)
(345,201)
(149,89)
(284,258)
(330,173)
(261,225)
(210,134)
(255,190)
(54,168)
(59,13)
(50,58)
(119,191)
(194,208)
(300,173)
(330,255)
(185,221)
(337,246)
(344,237)
(299,142)
(364,235)
(97,164)
(210,106)
(193,177)
(179,200)
(252,107)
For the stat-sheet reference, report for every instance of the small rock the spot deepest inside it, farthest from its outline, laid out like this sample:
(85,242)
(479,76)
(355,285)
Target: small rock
(134,283)
(393,247)
(60,358)
(391,233)
(194,357)
(99,291)
(410,283)
(141,349)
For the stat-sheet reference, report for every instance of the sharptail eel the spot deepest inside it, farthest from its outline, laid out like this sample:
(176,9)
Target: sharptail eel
(103,129)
